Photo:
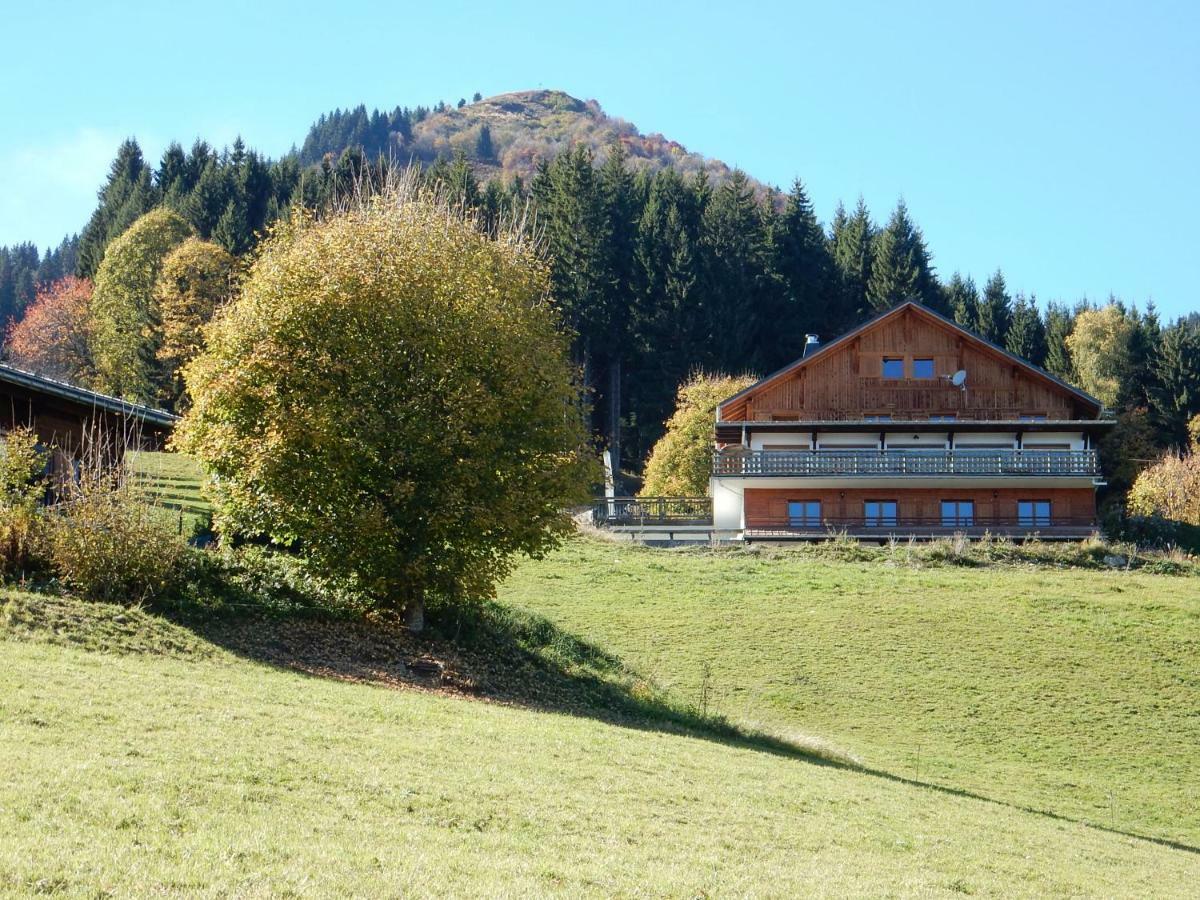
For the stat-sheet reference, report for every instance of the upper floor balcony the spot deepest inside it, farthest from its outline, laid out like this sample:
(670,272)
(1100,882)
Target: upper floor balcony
(743,463)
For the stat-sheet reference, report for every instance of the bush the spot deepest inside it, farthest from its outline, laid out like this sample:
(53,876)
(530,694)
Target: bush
(22,485)
(109,546)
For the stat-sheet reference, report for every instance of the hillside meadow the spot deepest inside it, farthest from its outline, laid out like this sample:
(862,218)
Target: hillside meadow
(141,759)
(1070,691)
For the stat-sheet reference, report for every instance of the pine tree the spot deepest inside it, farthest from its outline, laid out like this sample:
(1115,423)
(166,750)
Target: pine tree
(669,332)
(483,144)
(128,193)
(995,311)
(963,299)
(810,299)
(1175,397)
(1059,321)
(900,265)
(852,250)
(736,272)
(1026,336)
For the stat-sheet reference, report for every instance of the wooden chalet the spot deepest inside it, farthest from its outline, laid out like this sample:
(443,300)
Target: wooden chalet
(70,419)
(910,425)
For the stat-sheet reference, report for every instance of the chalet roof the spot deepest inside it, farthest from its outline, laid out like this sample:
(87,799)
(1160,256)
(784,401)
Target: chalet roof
(65,391)
(923,310)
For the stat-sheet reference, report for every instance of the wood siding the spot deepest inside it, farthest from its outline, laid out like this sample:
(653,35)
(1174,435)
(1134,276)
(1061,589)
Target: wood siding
(847,382)
(768,506)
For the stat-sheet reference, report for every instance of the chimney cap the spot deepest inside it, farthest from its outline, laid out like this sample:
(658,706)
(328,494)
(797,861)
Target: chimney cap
(811,343)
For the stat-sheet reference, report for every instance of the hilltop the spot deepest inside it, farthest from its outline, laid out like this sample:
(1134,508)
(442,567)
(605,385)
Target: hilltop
(523,127)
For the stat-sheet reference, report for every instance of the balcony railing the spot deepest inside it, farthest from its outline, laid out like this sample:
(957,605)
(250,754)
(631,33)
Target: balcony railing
(925,526)
(652,511)
(838,463)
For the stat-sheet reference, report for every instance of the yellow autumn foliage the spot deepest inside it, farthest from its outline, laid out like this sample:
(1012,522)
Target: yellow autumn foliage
(1170,489)
(391,392)
(681,462)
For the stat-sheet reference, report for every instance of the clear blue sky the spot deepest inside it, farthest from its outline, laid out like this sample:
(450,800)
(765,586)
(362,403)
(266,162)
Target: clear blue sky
(1058,141)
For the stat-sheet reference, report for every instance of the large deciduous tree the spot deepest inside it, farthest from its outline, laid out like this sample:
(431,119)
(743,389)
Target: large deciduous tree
(52,338)
(125,328)
(391,392)
(681,462)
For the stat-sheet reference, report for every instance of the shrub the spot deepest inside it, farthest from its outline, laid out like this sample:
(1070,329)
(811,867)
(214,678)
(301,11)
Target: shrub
(110,546)
(22,538)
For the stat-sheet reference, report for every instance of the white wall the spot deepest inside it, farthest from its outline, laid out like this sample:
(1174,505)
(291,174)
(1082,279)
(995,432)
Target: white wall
(835,439)
(728,509)
(933,440)
(970,439)
(787,439)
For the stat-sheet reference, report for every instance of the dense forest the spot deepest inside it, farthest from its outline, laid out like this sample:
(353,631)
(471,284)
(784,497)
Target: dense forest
(658,271)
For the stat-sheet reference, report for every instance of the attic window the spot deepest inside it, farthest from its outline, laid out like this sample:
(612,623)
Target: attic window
(922,368)
(893,367)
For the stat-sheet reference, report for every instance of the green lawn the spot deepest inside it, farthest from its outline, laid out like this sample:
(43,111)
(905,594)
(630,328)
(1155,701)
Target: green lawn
(172,481)
(1071,691)
(182,769)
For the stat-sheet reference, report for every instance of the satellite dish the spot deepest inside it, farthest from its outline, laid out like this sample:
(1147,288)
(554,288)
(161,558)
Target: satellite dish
(959,378)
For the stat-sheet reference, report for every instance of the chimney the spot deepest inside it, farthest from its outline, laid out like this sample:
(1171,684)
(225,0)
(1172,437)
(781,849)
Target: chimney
(811,345)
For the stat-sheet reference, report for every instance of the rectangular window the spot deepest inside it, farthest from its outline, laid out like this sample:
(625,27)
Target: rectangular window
(958,513)
(1033,417)
(922,368)
(951,417)
(1033,512)
(879,512)
(804,513)
(893,367)
(877,418)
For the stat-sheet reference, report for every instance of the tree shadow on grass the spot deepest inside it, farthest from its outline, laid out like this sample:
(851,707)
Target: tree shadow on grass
(487,651)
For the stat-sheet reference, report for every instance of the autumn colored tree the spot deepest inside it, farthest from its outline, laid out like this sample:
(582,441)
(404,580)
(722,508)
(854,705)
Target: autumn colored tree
(1170,489)
(391,391)
(125,328)
(52,338)
(681,462)
(196,278)
(1099,346)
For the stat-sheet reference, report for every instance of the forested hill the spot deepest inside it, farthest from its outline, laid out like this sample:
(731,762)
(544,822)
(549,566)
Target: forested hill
(502,135)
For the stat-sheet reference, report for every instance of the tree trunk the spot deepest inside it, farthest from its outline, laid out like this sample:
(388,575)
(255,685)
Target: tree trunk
(614,420)
(414,615)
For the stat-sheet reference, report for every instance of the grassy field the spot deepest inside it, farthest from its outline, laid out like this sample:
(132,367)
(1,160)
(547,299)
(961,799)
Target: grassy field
(172,481)
(176,767)
(1070,691)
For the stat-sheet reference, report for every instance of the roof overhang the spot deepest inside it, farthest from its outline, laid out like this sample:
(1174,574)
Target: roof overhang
(85,398)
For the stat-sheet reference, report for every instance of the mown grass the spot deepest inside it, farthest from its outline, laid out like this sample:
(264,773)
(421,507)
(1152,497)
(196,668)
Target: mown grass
(1066,690)
(175,767)
(172,482)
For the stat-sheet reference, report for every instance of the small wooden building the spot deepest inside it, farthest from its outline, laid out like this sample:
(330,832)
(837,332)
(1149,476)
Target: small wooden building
(910,425)
(71,419)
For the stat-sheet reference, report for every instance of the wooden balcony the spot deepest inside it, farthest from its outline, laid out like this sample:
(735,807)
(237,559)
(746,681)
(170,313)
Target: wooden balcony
(742,463)
(1054,528)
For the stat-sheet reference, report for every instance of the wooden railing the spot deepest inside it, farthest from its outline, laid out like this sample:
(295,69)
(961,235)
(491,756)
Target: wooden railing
(765,463)
(862,526)
(653,511)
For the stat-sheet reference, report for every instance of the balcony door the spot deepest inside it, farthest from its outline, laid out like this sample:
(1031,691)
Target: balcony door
(958,513)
